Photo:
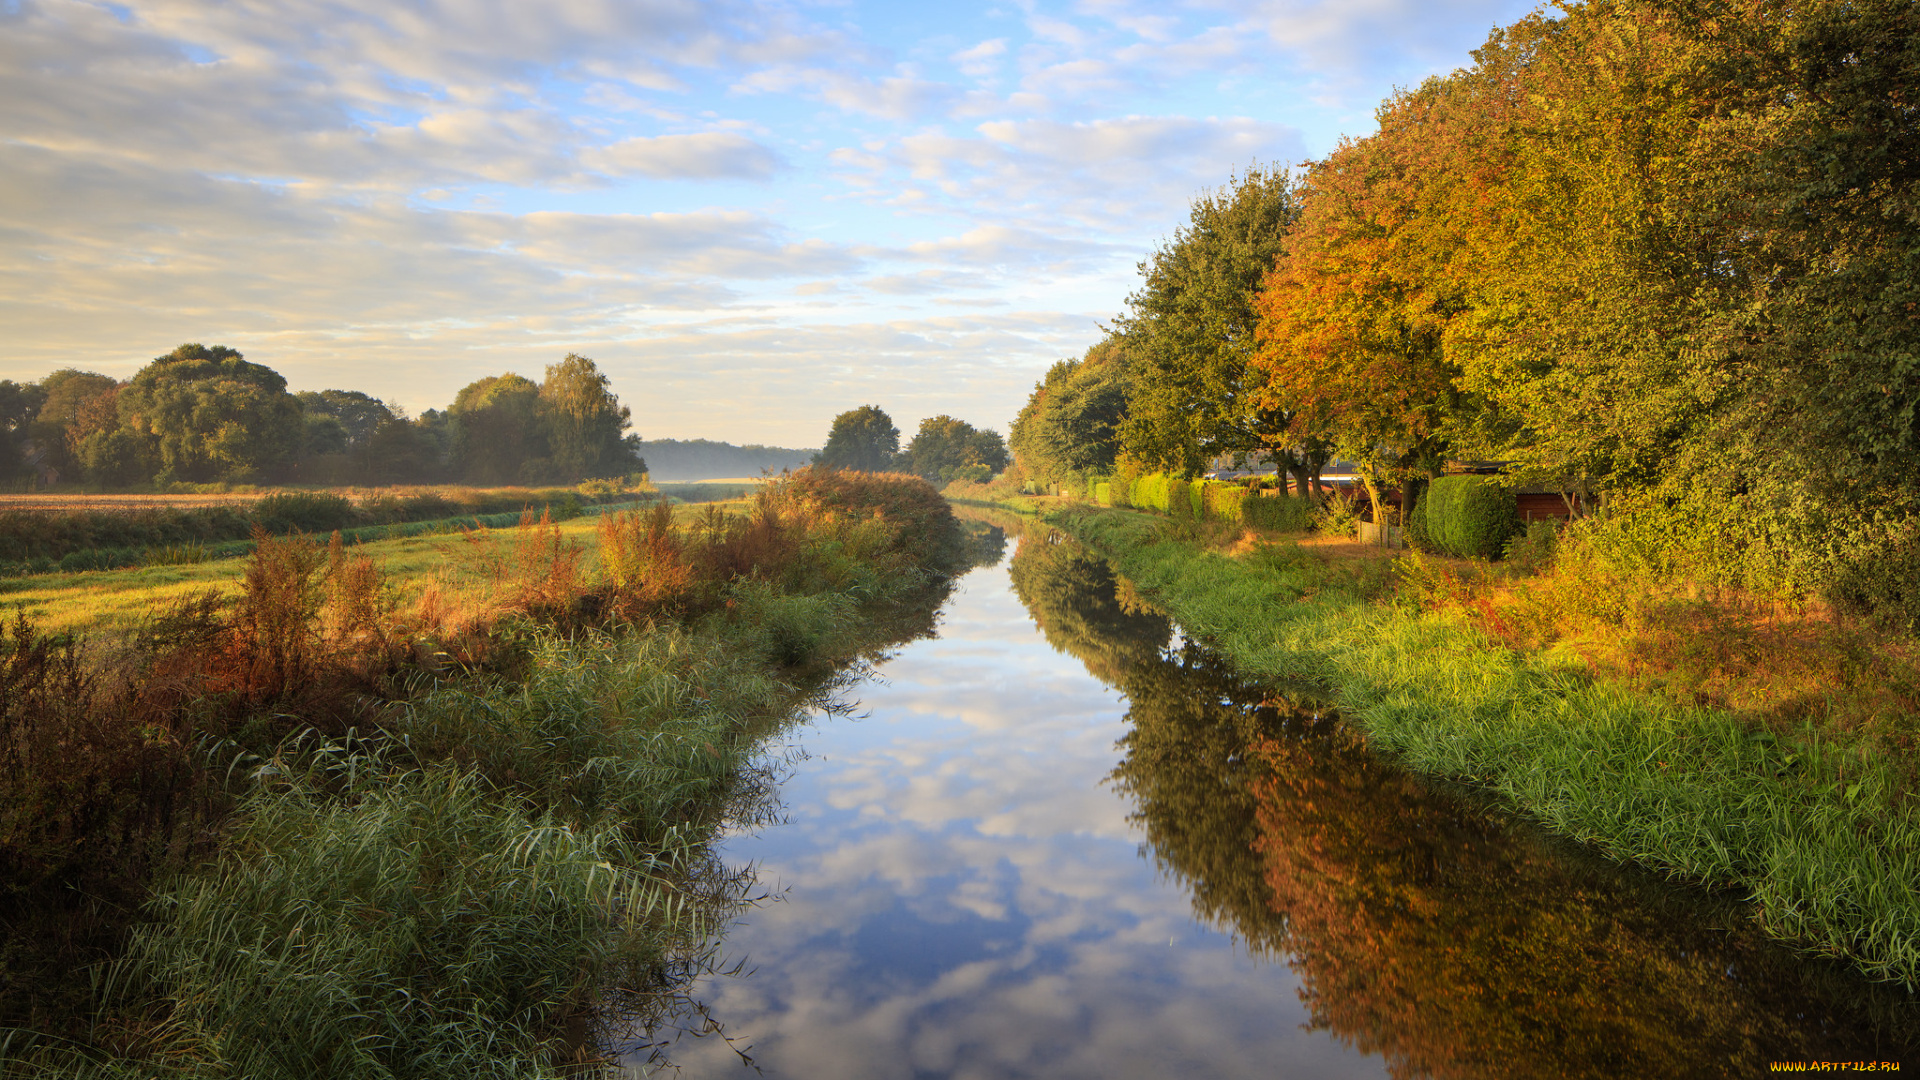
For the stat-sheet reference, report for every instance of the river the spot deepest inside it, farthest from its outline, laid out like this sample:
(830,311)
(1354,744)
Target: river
(1059,840)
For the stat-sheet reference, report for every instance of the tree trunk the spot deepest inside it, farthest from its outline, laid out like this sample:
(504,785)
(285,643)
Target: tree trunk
(1373,495)
(1301,476)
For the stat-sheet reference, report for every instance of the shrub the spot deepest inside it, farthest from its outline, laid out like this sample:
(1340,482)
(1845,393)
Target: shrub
(1882,581)
(1336,515)
(1150,492)
(74,562)
(1417,536)
(1471,516)
(1179,499)
(1532,549)
(641,560)
(1279,513)
(303,511)
(1223,502)
(1103,493)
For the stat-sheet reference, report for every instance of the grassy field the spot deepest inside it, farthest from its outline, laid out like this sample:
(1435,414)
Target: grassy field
(1672,731)
(69,502)
(454,566)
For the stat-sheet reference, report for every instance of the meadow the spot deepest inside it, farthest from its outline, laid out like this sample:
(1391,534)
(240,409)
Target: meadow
(457,563)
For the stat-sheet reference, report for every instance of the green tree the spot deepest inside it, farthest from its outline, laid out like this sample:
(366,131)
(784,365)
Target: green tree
(861,440)
(1190,333)
(944,444)
(208,414)
(498,434)
(357,415)
(584,421)
(401,450)
(19,406)
(1070,426)
(73,405)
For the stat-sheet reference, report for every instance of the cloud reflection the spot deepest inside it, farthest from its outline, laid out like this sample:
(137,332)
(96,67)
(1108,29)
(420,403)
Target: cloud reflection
(963,897)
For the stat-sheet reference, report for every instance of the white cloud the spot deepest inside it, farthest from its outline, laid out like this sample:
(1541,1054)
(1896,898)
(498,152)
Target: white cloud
(712,155)
(401,197)
(982,61)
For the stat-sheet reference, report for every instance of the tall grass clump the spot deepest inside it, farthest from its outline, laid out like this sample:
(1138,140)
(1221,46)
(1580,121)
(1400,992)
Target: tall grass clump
(413,924)
(643,730)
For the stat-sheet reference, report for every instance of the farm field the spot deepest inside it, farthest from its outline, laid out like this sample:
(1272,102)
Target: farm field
(55,502)
(457,567)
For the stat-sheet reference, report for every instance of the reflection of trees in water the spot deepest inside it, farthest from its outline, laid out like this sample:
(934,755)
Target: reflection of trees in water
(1451,940)
(986,542)
(1083,609)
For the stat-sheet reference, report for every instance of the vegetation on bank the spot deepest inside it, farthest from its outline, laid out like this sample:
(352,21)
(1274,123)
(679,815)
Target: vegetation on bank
(1656,255)
(313,833)
(1679,731)
(1454,940)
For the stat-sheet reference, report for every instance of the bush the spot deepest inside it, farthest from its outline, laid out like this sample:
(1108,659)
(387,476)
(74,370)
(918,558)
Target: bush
(1417,536)
(1180,499)
(74,562)
(1532,550)
(1103,493)
(1471,516)
(1882,581)
(1279,513)
(1336,515)
(304,511)
(1150,492)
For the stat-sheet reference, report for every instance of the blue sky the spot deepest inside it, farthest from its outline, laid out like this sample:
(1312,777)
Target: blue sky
(753,215)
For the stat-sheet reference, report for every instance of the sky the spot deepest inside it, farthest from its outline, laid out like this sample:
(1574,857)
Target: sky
(752,215)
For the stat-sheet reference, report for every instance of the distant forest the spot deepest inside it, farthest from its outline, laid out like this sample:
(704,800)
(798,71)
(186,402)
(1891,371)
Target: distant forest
(201,415)
(678,460)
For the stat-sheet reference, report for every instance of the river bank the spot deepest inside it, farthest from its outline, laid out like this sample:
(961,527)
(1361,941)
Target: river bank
(377,858)
(1822,836)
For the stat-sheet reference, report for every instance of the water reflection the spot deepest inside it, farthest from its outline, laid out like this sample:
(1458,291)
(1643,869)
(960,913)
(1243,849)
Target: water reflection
(963,892)
(1450,938)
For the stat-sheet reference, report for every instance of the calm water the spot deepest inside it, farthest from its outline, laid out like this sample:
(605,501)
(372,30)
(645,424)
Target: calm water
(1063,842)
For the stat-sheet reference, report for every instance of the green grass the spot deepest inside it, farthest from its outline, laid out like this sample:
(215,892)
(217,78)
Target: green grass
(1816,832)
(115,600)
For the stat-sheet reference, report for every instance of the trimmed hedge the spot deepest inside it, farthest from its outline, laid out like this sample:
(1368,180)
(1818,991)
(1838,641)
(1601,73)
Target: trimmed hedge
(1150,492)
(1418,537)
(1103,493)
(1280,513)
(1223,502)
(1470,516)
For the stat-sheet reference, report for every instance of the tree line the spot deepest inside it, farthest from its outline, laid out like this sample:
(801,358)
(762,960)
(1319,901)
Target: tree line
(944,449)
(1661,254)
(670,460)
(204,414)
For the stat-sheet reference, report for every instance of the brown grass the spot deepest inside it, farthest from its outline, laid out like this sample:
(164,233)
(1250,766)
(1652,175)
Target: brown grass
(56,503)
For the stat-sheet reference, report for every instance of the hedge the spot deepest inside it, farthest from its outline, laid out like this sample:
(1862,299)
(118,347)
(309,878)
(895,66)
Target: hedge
(1470,516)
(1280,513)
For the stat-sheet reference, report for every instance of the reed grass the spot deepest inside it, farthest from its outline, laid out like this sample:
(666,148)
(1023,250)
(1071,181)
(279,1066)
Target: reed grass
(1816,829)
